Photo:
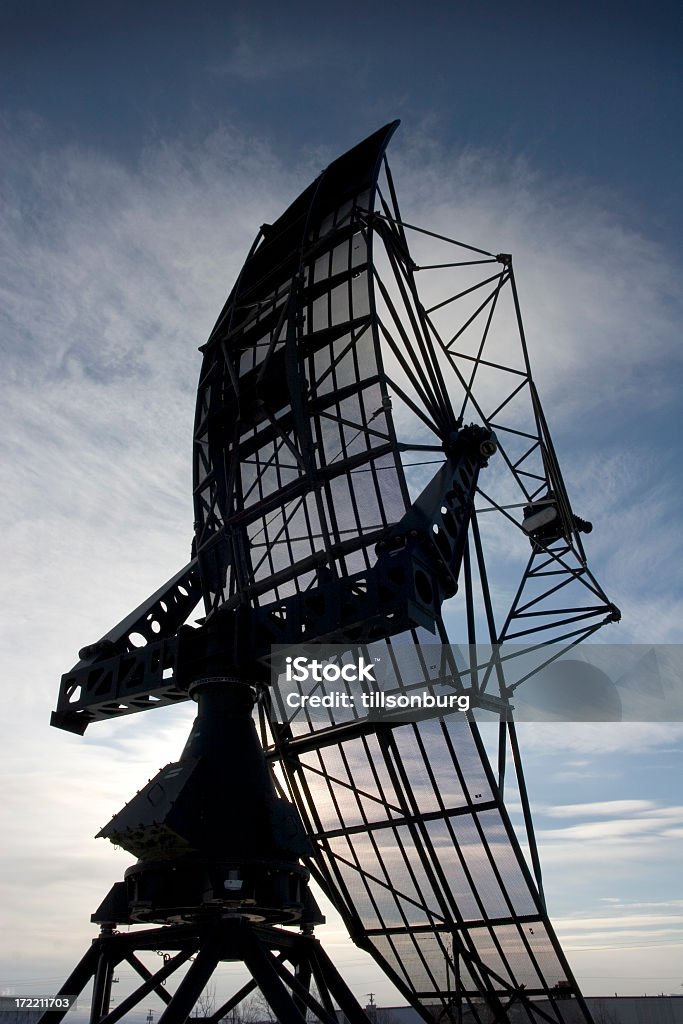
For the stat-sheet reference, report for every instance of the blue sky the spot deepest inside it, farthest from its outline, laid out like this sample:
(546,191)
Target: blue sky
(141,147)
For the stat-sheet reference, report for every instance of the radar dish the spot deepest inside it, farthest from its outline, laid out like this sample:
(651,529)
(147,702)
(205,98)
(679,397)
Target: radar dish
(373,470)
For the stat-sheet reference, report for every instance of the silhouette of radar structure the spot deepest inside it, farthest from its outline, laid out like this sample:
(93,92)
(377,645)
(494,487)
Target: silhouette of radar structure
(370,455)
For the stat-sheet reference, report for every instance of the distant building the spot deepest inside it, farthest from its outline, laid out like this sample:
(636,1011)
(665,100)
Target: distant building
(604,1010)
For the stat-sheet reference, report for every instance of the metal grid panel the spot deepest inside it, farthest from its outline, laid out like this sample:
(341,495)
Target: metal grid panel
(422,856)
(293,413)
(314,364)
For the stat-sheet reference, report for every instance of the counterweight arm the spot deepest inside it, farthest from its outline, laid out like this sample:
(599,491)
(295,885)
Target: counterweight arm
(417,568)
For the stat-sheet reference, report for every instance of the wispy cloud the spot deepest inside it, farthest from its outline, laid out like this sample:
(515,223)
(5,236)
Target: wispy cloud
(592,738)
(255,56)
(624,831)
(600,808)
(113,275)
(252,62)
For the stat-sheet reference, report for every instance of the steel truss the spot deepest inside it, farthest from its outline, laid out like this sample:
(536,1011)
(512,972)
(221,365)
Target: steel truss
(342,372)
(282,965)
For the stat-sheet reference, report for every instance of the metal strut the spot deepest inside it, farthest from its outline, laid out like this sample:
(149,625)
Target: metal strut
(265,951)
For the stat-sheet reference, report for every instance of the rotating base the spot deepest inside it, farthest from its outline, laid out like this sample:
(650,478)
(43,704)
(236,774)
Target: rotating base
(200,888)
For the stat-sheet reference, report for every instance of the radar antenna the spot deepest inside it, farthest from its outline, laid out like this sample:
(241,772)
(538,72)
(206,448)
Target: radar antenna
(370,454)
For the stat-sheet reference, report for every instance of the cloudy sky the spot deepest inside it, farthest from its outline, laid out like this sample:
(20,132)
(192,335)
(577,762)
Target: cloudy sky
(141,146)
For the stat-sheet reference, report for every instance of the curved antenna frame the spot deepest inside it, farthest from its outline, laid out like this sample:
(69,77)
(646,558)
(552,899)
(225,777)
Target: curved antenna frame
(325,357)
(292,404)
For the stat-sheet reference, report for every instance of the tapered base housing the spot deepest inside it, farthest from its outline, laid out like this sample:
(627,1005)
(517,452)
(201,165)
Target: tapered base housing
(212,835)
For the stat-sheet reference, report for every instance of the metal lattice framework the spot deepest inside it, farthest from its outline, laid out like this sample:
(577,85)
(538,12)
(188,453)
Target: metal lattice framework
(316,486)
(343,373)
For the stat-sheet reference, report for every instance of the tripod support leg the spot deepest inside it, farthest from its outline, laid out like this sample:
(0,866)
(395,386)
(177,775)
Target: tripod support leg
(303,998)
(76,982)
(339,989)
(263,951)
(302,973)
(153,983)
(259,963)
(192,985)
(101,993)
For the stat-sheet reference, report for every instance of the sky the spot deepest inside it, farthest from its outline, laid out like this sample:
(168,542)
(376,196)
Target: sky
(140,148)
